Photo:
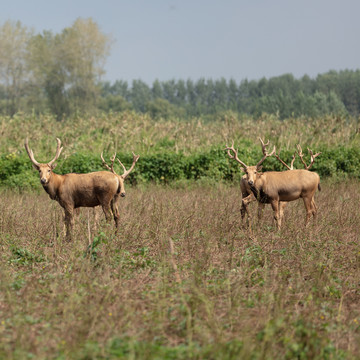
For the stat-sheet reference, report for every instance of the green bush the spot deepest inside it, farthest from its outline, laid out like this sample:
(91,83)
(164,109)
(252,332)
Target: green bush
(166,167)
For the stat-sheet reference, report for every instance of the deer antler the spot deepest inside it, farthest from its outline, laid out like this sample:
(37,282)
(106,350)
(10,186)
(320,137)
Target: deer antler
(291,167)
(235,156)
(127,172)
(112,159)
(30,153)
(263,146)
(312,157)
(58,152)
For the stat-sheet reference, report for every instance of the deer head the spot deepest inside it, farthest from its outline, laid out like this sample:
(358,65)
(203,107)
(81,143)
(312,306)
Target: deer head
(250,171)
(45,170)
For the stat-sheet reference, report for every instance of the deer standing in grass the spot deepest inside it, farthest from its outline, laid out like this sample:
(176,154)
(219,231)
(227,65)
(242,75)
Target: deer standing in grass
(72,191)
(307,167)
(276,188)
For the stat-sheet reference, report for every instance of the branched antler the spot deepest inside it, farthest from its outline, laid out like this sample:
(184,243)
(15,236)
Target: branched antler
(127,172)
(31,154)
(291,167)
(263,146)
(312,157)
(112,159)
(235,156)
(58,152)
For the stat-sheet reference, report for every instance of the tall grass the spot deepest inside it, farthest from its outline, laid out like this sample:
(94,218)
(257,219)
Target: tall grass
(182,280)
(130,131)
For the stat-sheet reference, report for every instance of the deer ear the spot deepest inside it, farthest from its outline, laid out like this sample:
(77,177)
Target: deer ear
(243,169)
(35,167)
(259,168)
(53,166)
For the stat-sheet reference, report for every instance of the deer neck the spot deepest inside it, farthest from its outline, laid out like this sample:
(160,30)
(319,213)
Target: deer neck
(53,185)
(258,190)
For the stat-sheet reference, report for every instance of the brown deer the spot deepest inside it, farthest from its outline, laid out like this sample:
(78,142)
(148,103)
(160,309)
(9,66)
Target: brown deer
(72,191)
(246,193)
(274,187)
(307,167)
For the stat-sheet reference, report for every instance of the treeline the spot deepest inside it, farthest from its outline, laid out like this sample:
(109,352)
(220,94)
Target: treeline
(61,74)
(329,93)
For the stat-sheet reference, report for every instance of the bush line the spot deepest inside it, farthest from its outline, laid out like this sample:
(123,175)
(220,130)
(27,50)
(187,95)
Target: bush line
(166,167)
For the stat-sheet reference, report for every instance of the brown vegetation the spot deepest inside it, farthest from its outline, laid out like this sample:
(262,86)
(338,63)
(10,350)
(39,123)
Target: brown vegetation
(182,271)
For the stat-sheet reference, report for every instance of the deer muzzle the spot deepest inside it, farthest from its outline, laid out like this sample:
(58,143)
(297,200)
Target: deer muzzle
(122,194)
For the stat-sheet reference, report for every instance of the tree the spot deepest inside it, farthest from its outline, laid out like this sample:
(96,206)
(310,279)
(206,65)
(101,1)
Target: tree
(157,90)
(13,54)
(85,49)
(49,71)
(140,95)
(68,66)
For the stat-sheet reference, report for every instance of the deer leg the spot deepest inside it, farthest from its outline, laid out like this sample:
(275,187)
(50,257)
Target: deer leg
(281,209)
(96,218)
(275,206)
(244,205)
(314,207)
(115,210)
(261,207)
(69,222)
(107,211)
(308,202)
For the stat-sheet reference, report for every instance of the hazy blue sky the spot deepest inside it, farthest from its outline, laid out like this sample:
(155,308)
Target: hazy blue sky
(181,39)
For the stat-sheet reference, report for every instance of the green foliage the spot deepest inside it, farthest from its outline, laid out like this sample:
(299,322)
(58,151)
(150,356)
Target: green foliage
(330,93)
(167,166)
(16,172)
(94,249)
(81,163)
(22,256)
(161,108)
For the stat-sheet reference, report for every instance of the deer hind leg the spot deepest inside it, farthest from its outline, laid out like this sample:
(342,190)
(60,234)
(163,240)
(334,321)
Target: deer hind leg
(96,217)
(115,210)
(107,211)
(314,207)
(310,207)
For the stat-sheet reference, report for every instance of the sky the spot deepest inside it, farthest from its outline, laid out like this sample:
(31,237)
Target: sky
(192,39)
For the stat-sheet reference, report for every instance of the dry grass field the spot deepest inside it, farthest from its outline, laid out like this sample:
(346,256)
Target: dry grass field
(182,280)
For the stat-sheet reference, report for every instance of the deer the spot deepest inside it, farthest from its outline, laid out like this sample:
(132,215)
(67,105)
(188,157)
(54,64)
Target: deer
(72,190)
(246,193)
(276,187)
(306,167)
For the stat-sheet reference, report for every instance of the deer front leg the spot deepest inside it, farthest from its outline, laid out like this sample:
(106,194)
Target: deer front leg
(261,207)
(282,206)
(275,206)
(244,205)
(69,222)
